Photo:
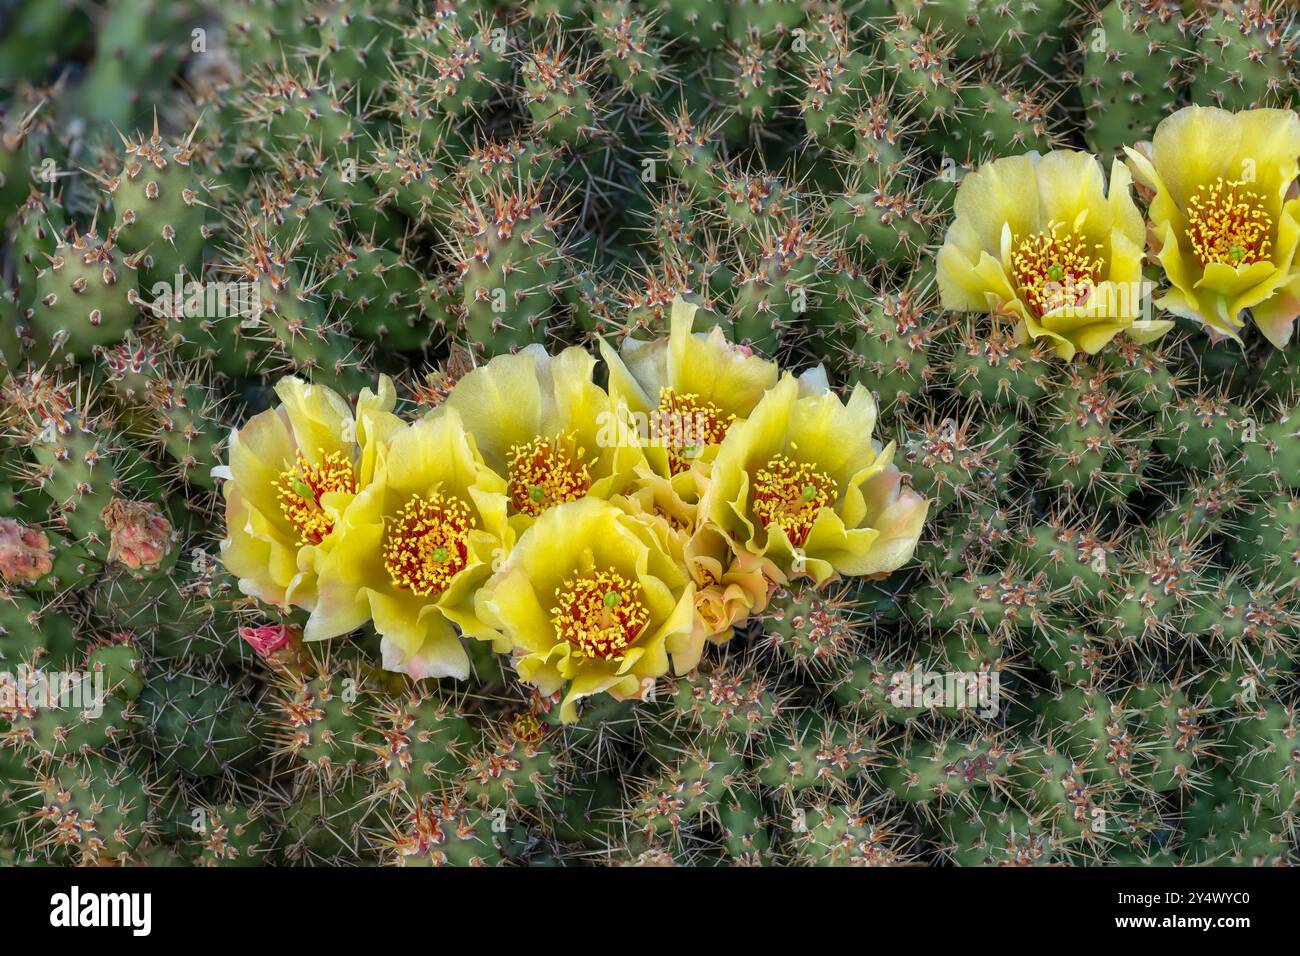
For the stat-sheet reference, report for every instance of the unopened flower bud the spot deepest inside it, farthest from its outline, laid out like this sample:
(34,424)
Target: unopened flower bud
(25,553)
(140,536)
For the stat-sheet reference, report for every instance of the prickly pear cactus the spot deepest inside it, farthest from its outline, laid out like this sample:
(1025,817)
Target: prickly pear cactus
(638,432)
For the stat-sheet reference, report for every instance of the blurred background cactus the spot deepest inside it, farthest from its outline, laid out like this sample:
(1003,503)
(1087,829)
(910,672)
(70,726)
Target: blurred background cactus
(199,198)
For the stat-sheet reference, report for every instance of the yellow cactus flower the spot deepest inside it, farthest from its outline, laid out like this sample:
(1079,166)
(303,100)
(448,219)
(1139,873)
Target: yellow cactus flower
(1039,238)
(678,396)
(1223,216)
(594,598)
(729,586)
(802,483)
(413,547)
(537,422)
(291,471)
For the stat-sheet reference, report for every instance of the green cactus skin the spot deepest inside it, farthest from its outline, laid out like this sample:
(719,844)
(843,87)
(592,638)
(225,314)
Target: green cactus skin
(1135,66)
(1247,56)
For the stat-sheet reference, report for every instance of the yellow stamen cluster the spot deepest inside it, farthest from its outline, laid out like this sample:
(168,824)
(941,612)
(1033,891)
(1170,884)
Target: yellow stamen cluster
(300,488)
(789,494)
(686,425)
(546,472)
(427,544)
(1227,223)
(600,614)
(1055,271)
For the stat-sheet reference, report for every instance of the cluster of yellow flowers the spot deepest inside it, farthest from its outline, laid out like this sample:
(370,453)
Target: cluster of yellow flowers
(597,536)
(1040,239)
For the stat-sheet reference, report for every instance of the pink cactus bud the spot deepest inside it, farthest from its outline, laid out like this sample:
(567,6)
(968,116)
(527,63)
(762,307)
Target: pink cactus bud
(268,639)
(140,536)
(25,553)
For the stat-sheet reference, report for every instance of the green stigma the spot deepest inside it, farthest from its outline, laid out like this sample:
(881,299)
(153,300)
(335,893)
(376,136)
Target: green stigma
(612,599)
(439,555)
(1056,272)
(303,490)
(536,493)
(809,492)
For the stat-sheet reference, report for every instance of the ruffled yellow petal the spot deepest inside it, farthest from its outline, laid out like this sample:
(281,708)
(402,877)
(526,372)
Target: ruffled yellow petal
(1072,190)
(592,682)
(418,642)
(690,384)
(637,373)
(1268,145)
(1276,317)
(1243,282)
(319,418)
(375,423)
(1195,145)
(352,567)
(1000,194)
(835,435)
(257,554)
(258,453)
(726,375)
(519,409)
(1126,218)
(502,404)
(960,286)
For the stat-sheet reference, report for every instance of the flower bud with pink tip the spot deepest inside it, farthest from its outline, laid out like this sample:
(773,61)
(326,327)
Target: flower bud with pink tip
(25,553)
(140,537)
